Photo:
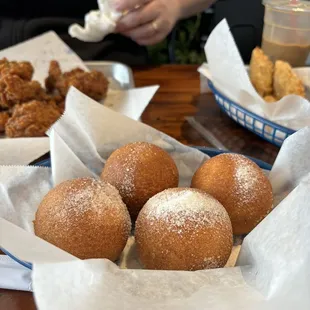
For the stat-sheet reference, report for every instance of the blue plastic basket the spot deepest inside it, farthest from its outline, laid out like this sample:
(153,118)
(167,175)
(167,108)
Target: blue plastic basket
(209,151)
(270,131)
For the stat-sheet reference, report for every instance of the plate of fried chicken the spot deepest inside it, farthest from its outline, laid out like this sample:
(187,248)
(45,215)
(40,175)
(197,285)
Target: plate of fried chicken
(27,109)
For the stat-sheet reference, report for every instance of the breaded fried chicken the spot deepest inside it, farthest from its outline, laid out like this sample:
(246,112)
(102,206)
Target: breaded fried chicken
(286,82)
(270,99)
(4,117)
(93,84)
(54,74)
(261,72)
(23,69)
(14,90)
(32,119)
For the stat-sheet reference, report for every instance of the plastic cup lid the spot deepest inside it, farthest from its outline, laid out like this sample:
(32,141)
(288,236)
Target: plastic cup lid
(289,5)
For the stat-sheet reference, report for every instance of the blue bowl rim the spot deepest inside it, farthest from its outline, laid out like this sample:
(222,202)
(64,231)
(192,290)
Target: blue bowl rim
(253,115)
(209,151)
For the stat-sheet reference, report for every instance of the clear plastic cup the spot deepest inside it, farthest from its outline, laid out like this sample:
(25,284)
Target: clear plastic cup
(286,34)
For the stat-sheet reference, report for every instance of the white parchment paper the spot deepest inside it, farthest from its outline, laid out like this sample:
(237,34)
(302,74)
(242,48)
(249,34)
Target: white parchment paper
(273,268)
(227,71)
(40,51)
(17,151)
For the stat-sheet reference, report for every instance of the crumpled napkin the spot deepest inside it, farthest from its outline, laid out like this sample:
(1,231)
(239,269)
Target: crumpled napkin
(98,23)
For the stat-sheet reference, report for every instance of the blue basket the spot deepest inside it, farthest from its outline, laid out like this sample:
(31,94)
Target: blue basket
(267,130)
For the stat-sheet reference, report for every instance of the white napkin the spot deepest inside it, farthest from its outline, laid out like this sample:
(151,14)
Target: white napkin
(98,24)
(228,73)
(14,276)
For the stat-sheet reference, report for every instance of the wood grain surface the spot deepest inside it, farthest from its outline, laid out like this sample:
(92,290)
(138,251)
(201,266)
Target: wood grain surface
(179,96)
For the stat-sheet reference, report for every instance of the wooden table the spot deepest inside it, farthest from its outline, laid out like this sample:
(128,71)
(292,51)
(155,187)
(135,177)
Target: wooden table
(178,97)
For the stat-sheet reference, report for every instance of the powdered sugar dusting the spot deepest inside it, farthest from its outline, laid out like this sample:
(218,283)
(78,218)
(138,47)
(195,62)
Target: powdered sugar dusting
(130,163)
(177,206)
(90,195)
(246,178)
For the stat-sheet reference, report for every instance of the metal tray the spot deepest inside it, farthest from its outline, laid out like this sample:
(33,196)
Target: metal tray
(120,76)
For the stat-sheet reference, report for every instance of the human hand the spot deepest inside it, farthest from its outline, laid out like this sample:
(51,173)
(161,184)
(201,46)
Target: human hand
(148,21)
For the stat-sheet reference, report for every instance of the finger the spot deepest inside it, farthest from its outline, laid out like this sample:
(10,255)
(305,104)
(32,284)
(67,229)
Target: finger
(159,37)
(136,18)
(142,32)
(124,5)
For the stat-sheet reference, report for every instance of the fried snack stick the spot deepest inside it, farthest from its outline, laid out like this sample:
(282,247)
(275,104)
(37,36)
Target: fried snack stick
(286,82)
(23,69)
(4,117)
(14,90)
(270,99)
(261,71)
(93,84)
(32,119)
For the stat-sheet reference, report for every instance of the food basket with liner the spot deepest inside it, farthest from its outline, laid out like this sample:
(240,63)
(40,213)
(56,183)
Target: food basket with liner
(228,78)
(266,266)
(209,151)
(268,130)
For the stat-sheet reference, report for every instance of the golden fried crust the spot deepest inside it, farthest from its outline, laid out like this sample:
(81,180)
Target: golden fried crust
(32,119)
(240,186)
(139,171)
(4,117)
(23,69)
(85,217)
(93,84)
(270,99)
(173,233)
(14,90)
(261,72)
(54,73)
(286,82)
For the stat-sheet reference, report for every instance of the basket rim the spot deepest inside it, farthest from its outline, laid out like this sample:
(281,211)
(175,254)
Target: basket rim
(253,115)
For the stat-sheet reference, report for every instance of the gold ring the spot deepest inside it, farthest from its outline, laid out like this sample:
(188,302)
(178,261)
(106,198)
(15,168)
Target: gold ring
(154,26)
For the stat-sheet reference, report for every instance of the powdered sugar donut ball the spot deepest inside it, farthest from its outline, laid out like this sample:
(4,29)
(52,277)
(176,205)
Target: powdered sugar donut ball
(139,171)
(183,229)
(85,217)
(241,187)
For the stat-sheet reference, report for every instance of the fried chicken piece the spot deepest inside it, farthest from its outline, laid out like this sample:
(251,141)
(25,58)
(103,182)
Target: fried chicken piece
(270,99)
(14,90)
(261,72)
(4,117)
(32,119)
(61,106)
(93,84)
(54,74)
(23,69)
(286,82)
